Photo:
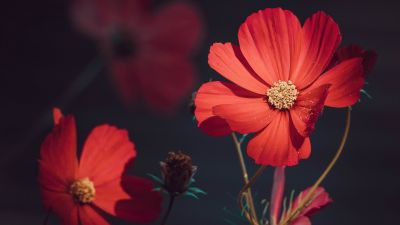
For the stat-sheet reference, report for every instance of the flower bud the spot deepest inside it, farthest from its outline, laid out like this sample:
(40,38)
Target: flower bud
(177,171)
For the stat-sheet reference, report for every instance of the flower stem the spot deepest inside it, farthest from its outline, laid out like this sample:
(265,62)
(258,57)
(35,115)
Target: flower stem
(249,184)
(249,197)
(293,213)
(46,218)
(278,189)
(170,204)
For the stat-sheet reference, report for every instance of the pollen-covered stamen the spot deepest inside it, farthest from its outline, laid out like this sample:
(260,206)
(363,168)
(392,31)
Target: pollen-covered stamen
(282,95)
(83,190)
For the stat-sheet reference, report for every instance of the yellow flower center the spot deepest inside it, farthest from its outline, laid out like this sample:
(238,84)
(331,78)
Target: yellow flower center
(282,95)
(83,190)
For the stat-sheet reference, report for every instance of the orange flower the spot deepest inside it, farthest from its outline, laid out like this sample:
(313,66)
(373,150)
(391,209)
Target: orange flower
(279,84)
(80,192)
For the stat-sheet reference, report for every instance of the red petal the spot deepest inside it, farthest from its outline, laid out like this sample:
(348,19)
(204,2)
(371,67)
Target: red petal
(369,61)
(227,60)
(57,116)
(354,51)
(321,37)
(271,42)
(348,52)
(131,13)
(176,28)
(346,79)
(89,216)
(278,189)
(248,116)
(131,199)
(92,17)
(126,79)
(163,80)
(217,93)
(215,126)
(320,199)
(307,109)
(305,149)
(302,220)
(106,154)
(58,161)
(275,145)
(50,180)
(166,81)
(97,18)
(62,205)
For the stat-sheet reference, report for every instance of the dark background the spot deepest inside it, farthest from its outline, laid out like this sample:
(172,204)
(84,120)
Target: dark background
(41,55)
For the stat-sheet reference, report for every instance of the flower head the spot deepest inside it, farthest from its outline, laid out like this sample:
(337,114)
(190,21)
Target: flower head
(78,192)
(278,84)
(147,51)
(177,171)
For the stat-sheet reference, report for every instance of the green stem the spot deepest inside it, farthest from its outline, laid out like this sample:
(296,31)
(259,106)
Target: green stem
(250,183)
(170,204)
(293,213)
(248,195)
(46,218)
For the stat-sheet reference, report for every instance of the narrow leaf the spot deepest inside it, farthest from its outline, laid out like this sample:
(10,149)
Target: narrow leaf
(155,178)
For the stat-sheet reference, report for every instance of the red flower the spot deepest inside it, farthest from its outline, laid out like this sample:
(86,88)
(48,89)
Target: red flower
(148,52)
(79,192)
(279,84)
(319,200)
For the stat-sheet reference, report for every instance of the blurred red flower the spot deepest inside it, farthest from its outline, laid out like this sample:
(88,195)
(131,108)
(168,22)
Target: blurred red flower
(79,192)
(279,84)
(319,200)
(148,52)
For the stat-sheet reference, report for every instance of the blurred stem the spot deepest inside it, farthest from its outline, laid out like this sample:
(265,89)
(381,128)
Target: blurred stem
(306,200)
(46,218)
(170,204)
(278,189)
(81,82)
(249,197)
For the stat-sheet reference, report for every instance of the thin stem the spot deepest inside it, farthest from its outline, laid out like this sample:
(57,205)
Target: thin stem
(249,196)
(82,81)
(46,218)
(171,203)
(251,182)
(310,194)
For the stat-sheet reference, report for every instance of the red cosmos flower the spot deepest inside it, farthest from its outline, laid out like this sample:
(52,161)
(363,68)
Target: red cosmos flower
(279,84)
(148,52)
(319,200)
(78,192)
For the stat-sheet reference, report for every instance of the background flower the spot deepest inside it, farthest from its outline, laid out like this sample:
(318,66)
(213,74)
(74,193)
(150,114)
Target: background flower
(148,51)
